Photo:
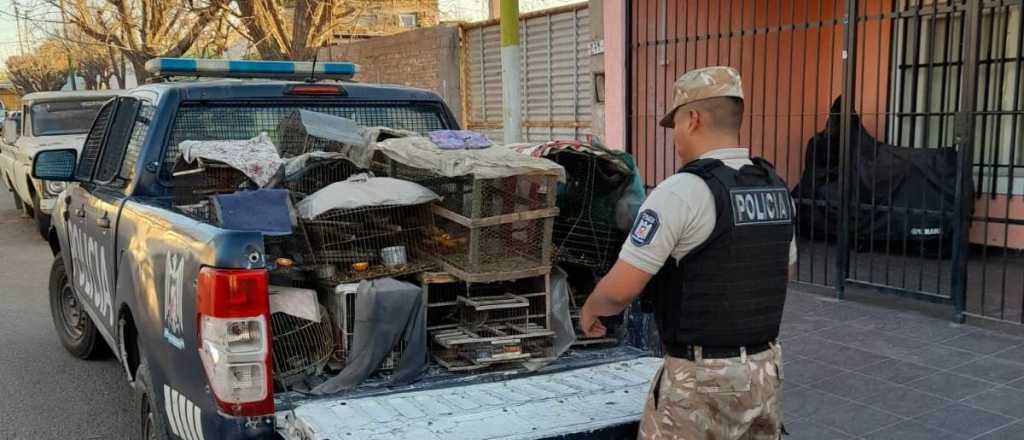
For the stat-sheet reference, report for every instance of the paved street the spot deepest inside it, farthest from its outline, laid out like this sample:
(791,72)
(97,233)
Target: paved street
(44,392)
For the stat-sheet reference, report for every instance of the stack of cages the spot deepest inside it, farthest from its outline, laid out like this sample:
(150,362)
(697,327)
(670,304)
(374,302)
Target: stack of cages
(314,174)
(342,306)
(480,325)
(488,229)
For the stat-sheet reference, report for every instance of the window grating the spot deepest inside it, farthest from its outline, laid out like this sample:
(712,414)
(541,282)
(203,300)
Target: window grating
(236,121)
(131,155)
(93,143)
(117,141)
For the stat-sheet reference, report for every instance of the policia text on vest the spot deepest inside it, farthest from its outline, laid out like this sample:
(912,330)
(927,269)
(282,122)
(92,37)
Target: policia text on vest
(764,206)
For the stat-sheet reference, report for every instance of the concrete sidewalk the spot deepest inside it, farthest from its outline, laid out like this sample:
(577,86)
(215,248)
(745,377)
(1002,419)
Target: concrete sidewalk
(858,370)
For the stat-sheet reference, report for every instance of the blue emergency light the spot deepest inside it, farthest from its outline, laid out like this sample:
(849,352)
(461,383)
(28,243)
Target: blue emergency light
(296,70)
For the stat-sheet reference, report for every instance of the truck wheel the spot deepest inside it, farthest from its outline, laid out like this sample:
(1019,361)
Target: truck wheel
(42,219)
(75,328)
(152,425)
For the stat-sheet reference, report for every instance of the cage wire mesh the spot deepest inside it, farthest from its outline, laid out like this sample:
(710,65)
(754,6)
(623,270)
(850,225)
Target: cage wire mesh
(372,242)
(499,249)
(584,231)
(318,175)
(300,347)
(196,182)
(303,132)
(474,197)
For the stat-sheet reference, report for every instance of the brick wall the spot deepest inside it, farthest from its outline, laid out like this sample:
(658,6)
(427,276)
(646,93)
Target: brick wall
(370,18)
(424,58)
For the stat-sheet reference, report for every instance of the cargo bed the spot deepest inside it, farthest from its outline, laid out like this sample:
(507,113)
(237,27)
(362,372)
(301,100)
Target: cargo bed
(599,394)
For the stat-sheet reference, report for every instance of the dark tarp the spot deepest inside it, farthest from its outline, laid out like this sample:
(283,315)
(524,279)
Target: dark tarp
(897,193)
(387,312)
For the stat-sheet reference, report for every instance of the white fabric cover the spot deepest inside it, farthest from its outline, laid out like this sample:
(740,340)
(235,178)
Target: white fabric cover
(361,191)
(257,158)
(488,163)
(300,303)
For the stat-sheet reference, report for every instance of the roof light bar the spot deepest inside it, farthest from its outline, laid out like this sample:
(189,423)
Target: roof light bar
(297,70)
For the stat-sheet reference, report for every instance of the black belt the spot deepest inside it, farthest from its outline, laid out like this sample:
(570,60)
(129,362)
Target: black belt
(687,351)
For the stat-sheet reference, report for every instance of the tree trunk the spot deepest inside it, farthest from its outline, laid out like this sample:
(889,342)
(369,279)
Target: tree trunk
(301,25)
(117,67)
(138,62)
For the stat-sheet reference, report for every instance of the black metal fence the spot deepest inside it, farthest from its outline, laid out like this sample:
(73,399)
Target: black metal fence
(896,123)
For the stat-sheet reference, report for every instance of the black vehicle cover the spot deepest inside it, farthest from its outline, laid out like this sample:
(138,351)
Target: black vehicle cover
(897,193)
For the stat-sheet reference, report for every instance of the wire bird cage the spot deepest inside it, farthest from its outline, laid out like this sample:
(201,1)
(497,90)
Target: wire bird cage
(304,131)
(342,305)
(300,347)
(487,229)
(587,243)
(476,198)
(585,232)
(318,174)
(197,181)
(495,252)
(581,281)
(492,330)
(372,242)
(442,291)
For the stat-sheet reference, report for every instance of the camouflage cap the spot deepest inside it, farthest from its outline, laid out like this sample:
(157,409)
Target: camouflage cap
(704,83)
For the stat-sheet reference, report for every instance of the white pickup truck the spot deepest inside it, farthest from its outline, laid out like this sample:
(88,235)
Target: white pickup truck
(47,120)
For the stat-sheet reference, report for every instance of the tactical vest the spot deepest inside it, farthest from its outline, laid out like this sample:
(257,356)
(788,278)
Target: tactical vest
(730,290)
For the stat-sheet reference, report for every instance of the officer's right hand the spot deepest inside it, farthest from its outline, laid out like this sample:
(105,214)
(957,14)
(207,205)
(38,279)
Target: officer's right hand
(590,325)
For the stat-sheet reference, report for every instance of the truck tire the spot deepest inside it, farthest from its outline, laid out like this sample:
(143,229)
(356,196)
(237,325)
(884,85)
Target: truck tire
(151,424)
(77,332)
(42,219)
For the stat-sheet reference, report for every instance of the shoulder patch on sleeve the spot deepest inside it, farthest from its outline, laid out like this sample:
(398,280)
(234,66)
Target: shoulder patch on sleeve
(645,227)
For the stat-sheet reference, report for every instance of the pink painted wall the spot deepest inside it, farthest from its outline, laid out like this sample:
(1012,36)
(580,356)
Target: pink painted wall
(994,233)
(615,73)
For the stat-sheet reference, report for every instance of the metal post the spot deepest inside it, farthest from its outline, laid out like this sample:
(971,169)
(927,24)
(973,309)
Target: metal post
(965,148)
(71,62)
(849,55)
(17,23)
(511,76)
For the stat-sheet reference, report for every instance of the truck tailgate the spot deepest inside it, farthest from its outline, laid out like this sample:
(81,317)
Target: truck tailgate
(534,407)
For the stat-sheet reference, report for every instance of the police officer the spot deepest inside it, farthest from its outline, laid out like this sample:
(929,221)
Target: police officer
(715,242)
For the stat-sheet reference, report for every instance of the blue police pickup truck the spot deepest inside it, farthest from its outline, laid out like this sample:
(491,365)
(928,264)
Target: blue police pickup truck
(183,304)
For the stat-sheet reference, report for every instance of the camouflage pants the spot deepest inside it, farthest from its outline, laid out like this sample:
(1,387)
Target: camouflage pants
(716,399)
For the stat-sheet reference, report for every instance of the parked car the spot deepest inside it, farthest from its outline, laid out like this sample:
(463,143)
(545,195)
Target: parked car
(183,303)
(49,120)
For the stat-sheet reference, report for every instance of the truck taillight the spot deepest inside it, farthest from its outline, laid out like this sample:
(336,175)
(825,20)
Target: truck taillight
(234,330)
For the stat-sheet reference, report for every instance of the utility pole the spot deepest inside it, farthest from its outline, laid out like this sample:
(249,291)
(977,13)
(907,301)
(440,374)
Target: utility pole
(67,49)
(511,72)
(17,23)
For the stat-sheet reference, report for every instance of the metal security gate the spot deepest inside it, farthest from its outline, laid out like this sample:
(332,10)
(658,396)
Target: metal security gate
(895,122)
(557,85)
